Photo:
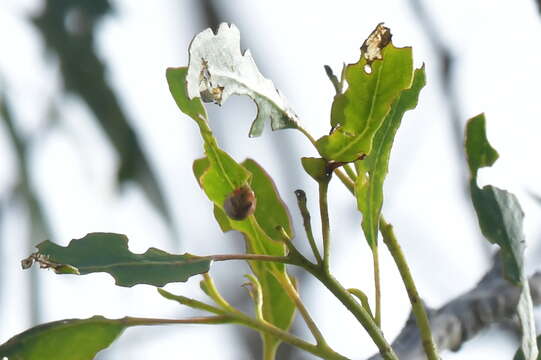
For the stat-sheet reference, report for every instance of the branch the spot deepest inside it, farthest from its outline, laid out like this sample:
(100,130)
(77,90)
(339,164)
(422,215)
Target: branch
(491,301)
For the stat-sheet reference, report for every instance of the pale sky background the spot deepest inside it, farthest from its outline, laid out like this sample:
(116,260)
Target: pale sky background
(498,54)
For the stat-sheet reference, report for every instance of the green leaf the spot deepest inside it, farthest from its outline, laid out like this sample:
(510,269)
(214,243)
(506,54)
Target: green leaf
(500,219)
(273,211)
(259,231)
(316,168)
(72,339)
(218,69)
(499,213)
(108,252)
(176,78)
(373,169)
(478,150)
(223,172)
(358,113)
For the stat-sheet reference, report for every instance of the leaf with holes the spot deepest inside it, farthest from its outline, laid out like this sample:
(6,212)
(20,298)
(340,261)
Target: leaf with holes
(358,113)
(108,252)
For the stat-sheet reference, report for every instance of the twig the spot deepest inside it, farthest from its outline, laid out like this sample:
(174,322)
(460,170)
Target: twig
(417,306)
(492,300)
(325,225)
(377,284)
(294,295)
(39,224)
(301,202)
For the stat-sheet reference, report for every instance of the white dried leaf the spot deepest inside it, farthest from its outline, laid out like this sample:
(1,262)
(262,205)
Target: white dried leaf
(218,69)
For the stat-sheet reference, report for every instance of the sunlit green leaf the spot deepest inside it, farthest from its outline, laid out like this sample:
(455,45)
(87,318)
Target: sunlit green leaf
(500,219)
(358,113)
(273,211)
(108,252)
(72,339)
(176,78)
(261,238)
(373,169)
(316,168)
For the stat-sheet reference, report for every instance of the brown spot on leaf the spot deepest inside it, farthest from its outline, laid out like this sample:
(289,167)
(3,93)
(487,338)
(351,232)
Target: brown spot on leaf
(372,46)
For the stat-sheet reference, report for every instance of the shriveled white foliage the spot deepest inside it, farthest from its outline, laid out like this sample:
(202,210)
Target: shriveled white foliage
(218,69)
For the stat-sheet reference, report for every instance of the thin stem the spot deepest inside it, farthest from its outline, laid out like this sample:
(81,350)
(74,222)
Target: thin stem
(307,134)
(257,257)
(360,313)
(215,294)
(205,320)
(377,284)
(321,351)
(325,225)
(345,180)
(350,172)
(301,201)
(362,298)
(269,351)
(421,317)
(239,318)
(294,295)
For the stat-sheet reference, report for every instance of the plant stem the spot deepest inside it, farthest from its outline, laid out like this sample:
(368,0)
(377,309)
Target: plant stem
(307,134)
(294,295)
(421,317)
(257,257)
(321,351)
(325,225)
(357,310)
(377,284)
(345,180)
(205,320)
(350,172)
(269,351)
(306,219)
(215,294)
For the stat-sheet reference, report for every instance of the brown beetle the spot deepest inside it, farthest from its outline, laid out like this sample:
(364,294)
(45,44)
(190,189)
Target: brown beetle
(240,203)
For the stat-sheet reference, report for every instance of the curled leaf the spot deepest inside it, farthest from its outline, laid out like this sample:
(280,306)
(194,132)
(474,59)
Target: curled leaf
(218,69)
(500,219)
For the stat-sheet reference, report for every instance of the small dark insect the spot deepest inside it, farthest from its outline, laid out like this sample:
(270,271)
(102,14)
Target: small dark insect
(240,203)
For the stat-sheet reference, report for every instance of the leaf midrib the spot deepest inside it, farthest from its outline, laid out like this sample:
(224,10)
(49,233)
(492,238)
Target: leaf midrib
(370,113)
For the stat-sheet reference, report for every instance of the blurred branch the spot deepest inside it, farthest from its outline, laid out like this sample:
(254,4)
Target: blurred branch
(68,28)
(492,300)
(447,71)
(39,226)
